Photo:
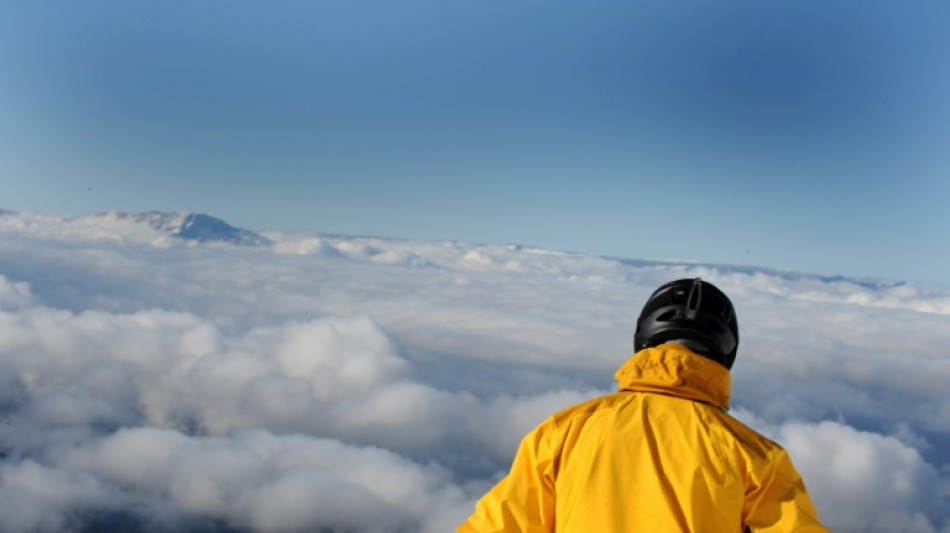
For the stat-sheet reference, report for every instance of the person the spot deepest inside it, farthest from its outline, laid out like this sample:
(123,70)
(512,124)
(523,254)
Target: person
(661,455)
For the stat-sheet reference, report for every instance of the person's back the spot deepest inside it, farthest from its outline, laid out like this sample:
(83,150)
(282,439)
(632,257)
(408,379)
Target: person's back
(660,455)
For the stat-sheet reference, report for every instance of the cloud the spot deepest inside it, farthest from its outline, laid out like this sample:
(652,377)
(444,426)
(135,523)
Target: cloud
(371,385)
(190,392)
(253,479)
(859,480)
(870,482)
(15,295)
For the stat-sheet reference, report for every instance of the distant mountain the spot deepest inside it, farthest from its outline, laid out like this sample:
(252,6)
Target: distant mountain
(198,227)
(195,227)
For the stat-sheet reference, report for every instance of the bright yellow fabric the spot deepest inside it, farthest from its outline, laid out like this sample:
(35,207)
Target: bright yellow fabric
(660,456)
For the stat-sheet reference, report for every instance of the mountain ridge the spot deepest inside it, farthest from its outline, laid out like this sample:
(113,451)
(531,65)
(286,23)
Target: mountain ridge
(198,227)
(193,226)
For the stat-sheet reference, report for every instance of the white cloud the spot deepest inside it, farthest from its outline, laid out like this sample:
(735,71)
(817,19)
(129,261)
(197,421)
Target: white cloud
(14,295)
(301,384)
(248,479)
(35,497)
(859,480)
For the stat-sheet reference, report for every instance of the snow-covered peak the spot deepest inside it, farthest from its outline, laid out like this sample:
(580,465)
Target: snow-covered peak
(155,227)
(197,227)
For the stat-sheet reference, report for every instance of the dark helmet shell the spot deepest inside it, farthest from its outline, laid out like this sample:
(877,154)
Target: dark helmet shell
(692,310)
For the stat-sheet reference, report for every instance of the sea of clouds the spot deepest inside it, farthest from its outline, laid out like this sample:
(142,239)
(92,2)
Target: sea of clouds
(330,383)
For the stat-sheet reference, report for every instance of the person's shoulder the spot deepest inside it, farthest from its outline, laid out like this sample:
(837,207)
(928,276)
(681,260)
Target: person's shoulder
(747,438)
(588,409)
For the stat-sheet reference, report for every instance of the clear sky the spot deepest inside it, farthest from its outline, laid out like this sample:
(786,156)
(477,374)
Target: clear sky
(808,135)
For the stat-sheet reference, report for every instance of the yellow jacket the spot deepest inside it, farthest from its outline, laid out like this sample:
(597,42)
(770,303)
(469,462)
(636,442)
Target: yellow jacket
(659,456)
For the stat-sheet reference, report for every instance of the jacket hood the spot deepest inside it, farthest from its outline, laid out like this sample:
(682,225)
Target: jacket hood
(678,371)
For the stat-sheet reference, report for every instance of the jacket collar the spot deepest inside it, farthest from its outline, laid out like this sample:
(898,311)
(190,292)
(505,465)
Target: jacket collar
(676,370)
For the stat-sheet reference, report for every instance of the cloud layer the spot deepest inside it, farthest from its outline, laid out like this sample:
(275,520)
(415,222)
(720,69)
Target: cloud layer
(358,384)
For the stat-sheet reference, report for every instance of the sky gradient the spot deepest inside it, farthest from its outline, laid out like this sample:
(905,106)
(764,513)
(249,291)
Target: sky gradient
(798,135)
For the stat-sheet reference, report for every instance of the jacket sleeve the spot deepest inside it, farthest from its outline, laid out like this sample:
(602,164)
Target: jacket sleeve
(780,503)
(522,502)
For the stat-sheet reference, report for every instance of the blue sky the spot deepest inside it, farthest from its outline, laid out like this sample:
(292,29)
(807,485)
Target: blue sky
(803,135)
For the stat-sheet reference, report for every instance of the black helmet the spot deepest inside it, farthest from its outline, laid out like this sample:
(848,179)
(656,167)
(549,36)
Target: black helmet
(692,311)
